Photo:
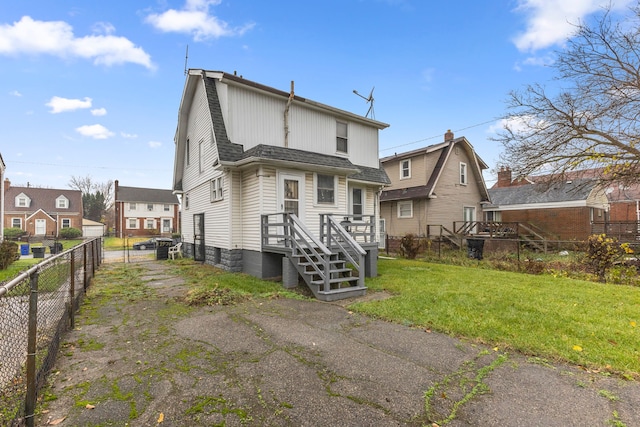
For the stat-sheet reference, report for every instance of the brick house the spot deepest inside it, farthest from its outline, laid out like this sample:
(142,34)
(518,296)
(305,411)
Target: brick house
(564,210)
(41,211)
(2,169)
(145,211)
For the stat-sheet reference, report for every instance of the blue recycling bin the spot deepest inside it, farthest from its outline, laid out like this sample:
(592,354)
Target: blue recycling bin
(24,249)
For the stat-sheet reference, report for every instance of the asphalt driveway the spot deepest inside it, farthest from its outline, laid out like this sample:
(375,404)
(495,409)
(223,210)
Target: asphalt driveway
(281,362)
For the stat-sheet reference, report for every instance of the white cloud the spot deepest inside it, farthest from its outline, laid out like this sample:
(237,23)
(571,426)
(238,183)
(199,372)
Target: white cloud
(99,112)
(128,135)
(60,105)
(194,19)
(15,93)
(550,22)
(56,38)
(95,131)
(155,144)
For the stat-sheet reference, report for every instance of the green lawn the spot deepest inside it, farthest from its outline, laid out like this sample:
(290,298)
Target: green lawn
(591,324)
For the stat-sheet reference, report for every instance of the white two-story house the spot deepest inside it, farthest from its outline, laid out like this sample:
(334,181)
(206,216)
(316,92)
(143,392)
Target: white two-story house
(273,184)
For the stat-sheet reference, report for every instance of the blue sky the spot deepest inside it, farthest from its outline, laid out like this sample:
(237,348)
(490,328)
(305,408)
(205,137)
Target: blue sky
(93,88)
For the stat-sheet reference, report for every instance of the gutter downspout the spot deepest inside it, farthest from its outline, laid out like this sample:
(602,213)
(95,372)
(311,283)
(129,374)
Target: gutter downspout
(286,117)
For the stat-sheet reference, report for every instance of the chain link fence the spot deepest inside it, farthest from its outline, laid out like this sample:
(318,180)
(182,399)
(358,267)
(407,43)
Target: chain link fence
(36,307)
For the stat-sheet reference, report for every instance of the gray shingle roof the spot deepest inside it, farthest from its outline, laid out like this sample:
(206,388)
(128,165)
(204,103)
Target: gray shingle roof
(575,190)
(146,195)
(227,151)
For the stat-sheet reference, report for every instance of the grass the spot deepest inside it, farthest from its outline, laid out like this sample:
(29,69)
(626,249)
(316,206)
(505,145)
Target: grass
(17,267)
(591,324)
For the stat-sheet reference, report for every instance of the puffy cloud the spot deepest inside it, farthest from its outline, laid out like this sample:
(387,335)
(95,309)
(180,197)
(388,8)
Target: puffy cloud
(194,19)
(99,112)
(550,22)
(155,144)
(128,135)
(56,38)
(60,105)
(15,93)
(95,131)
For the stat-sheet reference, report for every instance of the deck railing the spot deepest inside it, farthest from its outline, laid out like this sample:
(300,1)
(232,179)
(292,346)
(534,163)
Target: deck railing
(336,236)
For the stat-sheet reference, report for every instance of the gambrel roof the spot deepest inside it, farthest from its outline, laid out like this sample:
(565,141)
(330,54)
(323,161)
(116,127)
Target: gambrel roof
(232,154)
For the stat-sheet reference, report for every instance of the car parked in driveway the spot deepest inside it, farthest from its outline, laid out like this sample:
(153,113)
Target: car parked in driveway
(152,243)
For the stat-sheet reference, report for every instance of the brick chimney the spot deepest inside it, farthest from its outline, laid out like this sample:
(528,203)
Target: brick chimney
(504,177)
(448,136)
(7,184)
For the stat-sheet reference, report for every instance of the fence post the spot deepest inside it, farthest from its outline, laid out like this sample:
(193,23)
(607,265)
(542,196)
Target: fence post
(30,401)
(72,290)
(84,264)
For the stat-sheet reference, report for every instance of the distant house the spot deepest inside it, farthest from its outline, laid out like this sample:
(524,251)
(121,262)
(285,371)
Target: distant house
(145,211)
(41,211)
(2,169)
(433,186)
(562,210)
(268,177)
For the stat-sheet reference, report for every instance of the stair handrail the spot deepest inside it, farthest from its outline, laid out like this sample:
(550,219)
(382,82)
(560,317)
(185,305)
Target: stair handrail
(336,236)
(314,247)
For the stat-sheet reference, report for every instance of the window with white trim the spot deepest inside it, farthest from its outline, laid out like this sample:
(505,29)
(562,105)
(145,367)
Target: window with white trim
(216,189)
(150,224)
(132,223)
(342,143)
(22,201)
(150,207)
(405,169)
(167,208)
(16,222)
(463,174)
(66,223)
(325,189)
(132,206)
(405,209)
(62,202)
(186,201)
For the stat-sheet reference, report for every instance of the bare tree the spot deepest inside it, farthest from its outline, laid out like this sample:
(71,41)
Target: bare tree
(592,120)
(97,197)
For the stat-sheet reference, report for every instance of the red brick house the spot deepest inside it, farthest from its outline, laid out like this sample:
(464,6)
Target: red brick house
(145,211)
(41,211)
(564,210)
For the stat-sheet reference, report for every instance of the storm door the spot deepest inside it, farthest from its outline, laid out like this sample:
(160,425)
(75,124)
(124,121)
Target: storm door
(198,237)
(291,194)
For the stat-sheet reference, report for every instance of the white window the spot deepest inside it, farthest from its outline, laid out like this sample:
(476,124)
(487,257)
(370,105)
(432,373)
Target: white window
(405,169)
(62,202)
(463,174)
(216,189)
(186,201)
(150,224)
(325,189)
(132,223)
(405,209)
(66,223)
(22,201)
(167,208)
(132,206)
(150,207)
(16,222)
(342,145)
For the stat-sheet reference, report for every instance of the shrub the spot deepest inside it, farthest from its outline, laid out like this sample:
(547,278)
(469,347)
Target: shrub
(410,245)
(602,253)
(70,233)
(8,254)
(14,233)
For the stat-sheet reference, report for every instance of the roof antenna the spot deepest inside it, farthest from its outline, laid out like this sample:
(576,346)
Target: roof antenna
(186,58)
(369,100)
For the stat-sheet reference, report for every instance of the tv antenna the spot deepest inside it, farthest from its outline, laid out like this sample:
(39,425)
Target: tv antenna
(186,58)
(369,100)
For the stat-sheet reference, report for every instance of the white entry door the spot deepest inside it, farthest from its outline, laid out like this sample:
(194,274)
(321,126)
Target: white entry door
(469,216)
(41,227)
(291,193)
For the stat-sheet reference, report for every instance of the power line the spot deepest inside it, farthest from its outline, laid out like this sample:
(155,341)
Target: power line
(81,166)
(437,136)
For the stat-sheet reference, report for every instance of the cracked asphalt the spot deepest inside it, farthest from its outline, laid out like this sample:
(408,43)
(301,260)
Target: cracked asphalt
(282,362)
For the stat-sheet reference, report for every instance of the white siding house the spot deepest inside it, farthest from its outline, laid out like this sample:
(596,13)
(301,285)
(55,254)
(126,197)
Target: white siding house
(244,150)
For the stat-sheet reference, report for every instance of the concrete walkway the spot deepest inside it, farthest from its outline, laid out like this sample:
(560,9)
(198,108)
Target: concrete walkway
(150,361)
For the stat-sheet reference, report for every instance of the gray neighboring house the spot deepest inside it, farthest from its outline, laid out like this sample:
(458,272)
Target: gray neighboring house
(145,211)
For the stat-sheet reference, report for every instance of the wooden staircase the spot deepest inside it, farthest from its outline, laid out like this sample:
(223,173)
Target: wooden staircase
(332,265)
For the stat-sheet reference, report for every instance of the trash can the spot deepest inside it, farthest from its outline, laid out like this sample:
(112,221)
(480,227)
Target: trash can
(474,248)
(24,249)
(38,251)
(56,248)
(162,247)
